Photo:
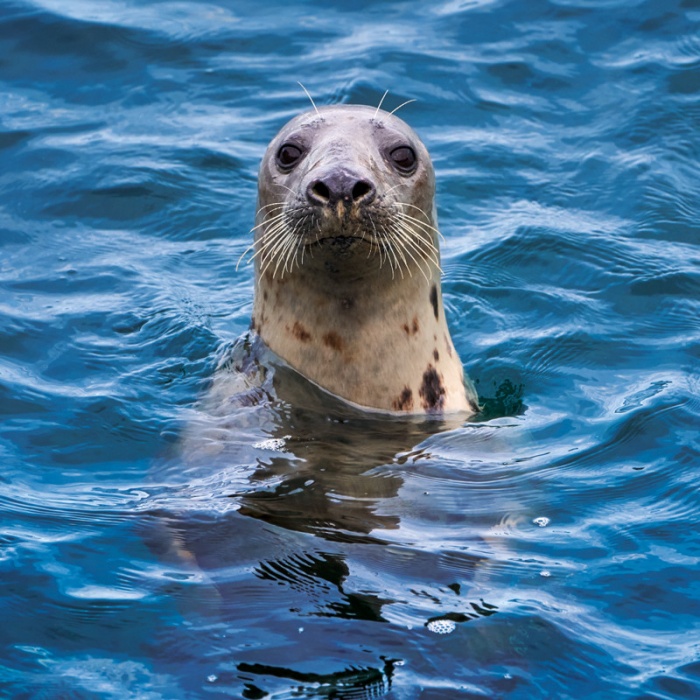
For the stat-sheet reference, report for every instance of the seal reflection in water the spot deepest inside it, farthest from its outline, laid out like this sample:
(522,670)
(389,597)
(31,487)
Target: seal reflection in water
(347,284)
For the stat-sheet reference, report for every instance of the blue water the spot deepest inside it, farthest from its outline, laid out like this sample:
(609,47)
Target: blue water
(548,549)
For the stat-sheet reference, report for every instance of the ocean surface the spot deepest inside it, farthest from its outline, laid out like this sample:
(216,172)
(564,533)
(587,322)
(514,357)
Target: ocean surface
(548,548)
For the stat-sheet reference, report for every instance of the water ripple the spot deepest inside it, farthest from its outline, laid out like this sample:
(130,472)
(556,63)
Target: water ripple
(515,555)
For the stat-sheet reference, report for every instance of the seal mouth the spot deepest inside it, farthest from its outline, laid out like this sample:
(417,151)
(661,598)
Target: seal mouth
(342,239)
(339,246)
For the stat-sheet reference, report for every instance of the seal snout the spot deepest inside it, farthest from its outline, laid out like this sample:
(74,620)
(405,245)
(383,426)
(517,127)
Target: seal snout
(340,185)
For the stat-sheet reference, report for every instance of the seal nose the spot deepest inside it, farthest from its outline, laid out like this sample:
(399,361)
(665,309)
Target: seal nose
(340,185)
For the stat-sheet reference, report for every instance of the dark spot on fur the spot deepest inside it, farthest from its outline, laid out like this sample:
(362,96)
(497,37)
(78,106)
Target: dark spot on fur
(436,355)
(300,333)
(404,402)
(265,295)
(434,301)
(431,391)
(333,340)
(413,328)
(252,323)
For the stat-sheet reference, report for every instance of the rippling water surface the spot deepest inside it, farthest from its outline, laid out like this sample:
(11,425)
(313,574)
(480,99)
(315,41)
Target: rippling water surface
(547,549)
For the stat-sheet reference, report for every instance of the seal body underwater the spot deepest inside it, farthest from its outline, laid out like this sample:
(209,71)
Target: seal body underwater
(347,267)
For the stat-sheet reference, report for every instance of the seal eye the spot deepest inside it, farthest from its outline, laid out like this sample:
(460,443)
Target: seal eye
(403,158)
(288,156)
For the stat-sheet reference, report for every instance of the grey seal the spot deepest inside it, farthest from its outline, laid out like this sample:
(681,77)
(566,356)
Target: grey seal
(347,263)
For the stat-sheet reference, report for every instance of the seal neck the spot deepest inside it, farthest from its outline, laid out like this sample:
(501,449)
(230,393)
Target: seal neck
(370,339)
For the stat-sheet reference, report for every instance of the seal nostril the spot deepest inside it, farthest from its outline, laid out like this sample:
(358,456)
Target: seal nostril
(361,189)
(320,189)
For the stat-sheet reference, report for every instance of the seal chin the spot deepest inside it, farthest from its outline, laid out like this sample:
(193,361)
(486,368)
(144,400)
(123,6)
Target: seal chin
(343,247)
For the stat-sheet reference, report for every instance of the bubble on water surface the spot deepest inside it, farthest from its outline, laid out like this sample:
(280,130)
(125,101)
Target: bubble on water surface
(541,522)
(273,444)
(441,626)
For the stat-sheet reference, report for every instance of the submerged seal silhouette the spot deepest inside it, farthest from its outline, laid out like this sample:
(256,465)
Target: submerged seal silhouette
(347,267)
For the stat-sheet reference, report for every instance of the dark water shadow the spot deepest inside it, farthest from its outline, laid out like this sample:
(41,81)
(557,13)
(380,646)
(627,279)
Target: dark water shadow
(507,401)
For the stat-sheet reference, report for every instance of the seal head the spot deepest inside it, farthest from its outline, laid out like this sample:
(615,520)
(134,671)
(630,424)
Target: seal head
(347,285)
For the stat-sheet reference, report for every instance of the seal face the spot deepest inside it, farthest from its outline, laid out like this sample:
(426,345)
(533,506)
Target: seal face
(347,286)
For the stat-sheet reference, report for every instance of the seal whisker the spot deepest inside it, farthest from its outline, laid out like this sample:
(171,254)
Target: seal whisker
(301,245)
(268,238)
(426,226)
(418,264)
(381,249)
(409,238)
(279,184)
(244,253)
(426,248)
(407,102)
(371,245)
(391,189)
(406,240)
(265,262)
(423,224)
(291,255)
(379,106)
(371,248)
(376,235)
(274,254)
(269,206)
(426,242)
(269,221)
(395,265)
(267,217)
(311,99)
(274,220)
(386,255)
(270,249)
(284,251)
(427,255)
(391,241)
(402,244)
(415,206)
(273,239)
(283,256)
